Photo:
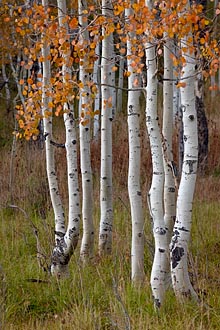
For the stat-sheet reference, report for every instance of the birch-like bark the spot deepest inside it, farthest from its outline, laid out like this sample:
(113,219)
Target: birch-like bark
(155,196)
(7,90)
(86,250)
(49,148)
(72,232)
(177,111)
(169,191)
(105,232)
(113,83)
(134,189)
(96,80)
(203,133)
(167,130)
(120,83)
(15,73)
(182,227)
(64,250)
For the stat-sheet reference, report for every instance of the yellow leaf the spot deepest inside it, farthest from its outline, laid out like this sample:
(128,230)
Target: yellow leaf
(26,20)
(21,123)
(127,74)
(50,105)
(81,85)
(93,45)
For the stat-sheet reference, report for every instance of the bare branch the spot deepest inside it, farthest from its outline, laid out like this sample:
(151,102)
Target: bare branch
(41,257)
(125,312)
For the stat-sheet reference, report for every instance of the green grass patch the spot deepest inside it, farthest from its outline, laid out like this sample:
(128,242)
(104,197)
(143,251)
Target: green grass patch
(100,294)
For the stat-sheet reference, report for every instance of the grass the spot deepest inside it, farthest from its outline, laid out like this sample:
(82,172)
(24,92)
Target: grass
(100,295)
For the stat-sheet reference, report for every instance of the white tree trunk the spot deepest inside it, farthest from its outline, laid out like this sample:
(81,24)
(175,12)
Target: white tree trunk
(182,227)
(155,197)
(134,189)
(96,80)
(50,161)
(15,72)
(169,183)
(86,250)
(7,90)
(105,233)
(120,84)
(113,82)
(66,244)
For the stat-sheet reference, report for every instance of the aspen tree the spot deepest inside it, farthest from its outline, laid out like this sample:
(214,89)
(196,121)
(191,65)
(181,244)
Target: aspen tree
(120,83)
(50,161)
(155,196)
(7,90)
(84,128)
(169,195)
(96,80)
(167,131)
(64,249)
(105,232)
(181,232)
(134,189)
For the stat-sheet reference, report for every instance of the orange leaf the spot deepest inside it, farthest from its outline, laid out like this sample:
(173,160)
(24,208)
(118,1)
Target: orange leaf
(181,84)
(30,81)
(73,23)
(85,122)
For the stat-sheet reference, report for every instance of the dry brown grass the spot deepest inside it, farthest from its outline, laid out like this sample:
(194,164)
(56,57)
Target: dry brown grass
(30,182)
